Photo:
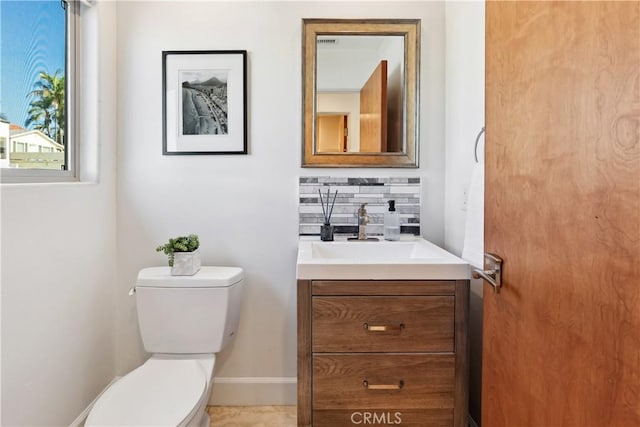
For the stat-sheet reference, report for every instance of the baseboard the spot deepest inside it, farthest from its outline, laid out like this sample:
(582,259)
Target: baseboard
(472,422)
(79,421)
(254,391)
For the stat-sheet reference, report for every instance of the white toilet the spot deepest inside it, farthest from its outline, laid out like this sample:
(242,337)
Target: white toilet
(184,321)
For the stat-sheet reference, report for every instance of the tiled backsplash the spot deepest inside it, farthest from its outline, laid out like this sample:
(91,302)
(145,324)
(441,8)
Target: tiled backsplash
(352,192)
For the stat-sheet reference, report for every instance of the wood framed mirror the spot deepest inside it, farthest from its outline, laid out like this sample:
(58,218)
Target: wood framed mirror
(360,82)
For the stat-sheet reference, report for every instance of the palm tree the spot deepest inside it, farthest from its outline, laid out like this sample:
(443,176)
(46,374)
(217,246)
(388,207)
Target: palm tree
(46,110)
(39,116)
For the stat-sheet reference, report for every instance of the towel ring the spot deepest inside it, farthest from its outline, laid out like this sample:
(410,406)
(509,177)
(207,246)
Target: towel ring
(475,148)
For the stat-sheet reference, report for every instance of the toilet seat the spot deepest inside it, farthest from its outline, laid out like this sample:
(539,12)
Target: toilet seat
(161,392)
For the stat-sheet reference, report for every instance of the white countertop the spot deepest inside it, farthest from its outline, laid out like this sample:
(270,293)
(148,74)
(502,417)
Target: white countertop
(410,258)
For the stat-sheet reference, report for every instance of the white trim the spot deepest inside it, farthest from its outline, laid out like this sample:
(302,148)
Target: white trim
(255,380)
(253,391)
(79,421)
(472,423)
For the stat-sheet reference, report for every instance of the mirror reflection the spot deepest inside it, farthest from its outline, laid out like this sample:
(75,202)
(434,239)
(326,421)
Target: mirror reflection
(360,80)
(359,91)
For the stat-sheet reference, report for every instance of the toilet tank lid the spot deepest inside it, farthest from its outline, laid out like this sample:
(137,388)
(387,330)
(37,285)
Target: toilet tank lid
(206,277)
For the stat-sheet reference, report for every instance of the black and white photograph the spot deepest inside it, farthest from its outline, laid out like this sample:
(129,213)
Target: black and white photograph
(204,102)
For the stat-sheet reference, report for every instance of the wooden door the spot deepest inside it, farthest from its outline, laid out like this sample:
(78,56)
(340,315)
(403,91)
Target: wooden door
(562,207)
(373,111)
(331,132)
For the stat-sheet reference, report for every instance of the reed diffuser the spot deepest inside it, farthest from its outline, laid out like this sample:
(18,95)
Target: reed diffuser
(326,229)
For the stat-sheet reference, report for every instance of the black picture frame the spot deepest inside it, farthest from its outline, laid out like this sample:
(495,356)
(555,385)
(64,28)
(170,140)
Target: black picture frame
(204,102)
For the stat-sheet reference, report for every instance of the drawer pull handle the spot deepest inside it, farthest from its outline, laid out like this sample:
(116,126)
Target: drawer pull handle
(383,328)
(368,386)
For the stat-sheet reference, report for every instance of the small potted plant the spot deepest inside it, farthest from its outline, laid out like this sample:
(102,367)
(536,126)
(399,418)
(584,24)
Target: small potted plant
(183,254)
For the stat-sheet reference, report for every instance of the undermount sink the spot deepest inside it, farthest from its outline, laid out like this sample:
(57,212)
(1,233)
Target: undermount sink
(407,259)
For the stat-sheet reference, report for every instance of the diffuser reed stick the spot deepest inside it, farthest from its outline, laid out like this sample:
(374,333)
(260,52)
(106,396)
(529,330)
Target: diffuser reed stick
(324,213)
(332,204)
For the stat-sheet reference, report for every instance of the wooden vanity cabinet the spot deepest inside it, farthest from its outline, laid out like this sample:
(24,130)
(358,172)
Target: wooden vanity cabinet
(383,353)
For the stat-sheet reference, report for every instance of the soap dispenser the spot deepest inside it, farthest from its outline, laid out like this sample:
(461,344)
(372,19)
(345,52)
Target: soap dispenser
(391,222)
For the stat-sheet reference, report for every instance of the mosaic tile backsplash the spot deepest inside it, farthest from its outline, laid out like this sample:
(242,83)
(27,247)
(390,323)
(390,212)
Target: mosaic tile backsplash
(352,192)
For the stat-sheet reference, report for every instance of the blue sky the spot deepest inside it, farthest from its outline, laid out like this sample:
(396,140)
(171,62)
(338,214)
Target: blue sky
(31,41)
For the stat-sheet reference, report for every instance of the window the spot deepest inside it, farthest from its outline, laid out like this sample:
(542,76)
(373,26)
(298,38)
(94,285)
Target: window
(37,83)
(3,148)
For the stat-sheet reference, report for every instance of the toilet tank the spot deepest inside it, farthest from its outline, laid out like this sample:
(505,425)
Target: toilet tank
(188,314)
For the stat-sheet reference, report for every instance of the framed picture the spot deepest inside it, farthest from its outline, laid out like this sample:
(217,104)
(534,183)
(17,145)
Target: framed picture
(204,102)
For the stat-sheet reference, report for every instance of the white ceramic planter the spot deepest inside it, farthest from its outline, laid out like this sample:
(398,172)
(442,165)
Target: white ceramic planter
(186,263)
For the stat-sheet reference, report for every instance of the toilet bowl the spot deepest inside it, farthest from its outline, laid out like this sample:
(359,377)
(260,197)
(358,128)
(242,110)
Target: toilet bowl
(161,392)
(184,321)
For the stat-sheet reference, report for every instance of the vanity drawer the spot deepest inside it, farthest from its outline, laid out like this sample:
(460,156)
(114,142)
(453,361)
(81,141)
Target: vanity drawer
(383,323)
(418,387)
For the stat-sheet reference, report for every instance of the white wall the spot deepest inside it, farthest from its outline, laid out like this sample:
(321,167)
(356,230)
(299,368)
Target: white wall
(464,119)
(243,207)
(464,109)
(58,264)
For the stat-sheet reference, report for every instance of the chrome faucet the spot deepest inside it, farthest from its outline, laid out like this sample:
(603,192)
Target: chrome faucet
(363,220)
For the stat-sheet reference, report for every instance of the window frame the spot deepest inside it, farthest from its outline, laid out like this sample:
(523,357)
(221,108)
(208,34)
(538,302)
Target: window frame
(72,80)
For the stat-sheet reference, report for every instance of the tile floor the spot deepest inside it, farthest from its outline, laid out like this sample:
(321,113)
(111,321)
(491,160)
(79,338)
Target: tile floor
(252,416)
